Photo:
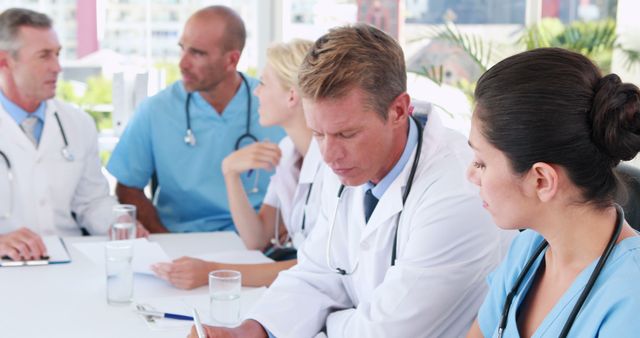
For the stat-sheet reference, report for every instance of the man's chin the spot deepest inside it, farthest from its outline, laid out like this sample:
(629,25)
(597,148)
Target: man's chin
(351,181)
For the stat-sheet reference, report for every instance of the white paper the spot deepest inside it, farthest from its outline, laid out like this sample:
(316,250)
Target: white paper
(183,305)
(145,254)
(56,251)
(236,257)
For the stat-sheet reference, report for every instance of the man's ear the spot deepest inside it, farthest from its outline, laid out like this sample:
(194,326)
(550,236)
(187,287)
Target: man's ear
(4,59)
(543,180)
(233,57)
(398,111)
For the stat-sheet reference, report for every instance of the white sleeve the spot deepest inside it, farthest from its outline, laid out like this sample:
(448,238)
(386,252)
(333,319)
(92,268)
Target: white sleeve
(271,196)
(91,201)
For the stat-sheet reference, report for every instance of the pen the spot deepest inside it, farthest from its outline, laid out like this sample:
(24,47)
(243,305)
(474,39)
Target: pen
(164,315)
(198,324)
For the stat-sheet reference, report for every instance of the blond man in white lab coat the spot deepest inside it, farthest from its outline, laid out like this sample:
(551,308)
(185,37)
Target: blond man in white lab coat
(354,278)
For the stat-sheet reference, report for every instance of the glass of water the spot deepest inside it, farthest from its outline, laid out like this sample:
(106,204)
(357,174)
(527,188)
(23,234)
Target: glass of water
(123,224)
(224,296)
(118,255)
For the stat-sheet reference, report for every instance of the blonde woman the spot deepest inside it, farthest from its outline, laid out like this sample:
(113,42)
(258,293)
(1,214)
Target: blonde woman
(284,219)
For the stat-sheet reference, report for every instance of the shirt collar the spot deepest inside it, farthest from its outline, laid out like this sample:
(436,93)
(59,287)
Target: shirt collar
(19,114)
(382,186)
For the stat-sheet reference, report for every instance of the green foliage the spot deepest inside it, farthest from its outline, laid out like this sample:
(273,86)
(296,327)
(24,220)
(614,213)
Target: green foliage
(433,73)
(594,39)
(171,70)
(472,44)
(98,91)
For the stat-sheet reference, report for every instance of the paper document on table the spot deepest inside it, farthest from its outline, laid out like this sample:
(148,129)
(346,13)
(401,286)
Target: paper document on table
(145,254)
(56,250)
(236,257)
(184,304)
(56,253)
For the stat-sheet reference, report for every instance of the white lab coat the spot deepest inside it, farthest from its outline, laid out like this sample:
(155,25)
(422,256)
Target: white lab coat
(47,187)
(290,187)
(447,244)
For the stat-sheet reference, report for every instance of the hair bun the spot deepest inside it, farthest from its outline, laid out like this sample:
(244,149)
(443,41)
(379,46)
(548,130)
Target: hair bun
(615,116)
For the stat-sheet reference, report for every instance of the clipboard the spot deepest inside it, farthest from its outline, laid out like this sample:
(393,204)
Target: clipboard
(56,249)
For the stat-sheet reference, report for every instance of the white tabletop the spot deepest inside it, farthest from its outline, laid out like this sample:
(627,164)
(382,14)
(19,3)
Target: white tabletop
(69,300)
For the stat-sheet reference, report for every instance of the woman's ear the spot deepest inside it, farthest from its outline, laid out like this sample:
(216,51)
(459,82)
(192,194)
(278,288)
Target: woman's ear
(543,180)
(293,99)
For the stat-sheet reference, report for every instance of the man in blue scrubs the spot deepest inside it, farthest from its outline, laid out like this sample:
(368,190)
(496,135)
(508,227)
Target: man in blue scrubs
(183,133)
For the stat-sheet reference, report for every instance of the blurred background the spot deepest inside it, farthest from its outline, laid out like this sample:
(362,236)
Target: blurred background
(117,52)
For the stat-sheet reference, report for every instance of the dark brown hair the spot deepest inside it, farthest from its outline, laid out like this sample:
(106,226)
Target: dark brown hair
(552,105)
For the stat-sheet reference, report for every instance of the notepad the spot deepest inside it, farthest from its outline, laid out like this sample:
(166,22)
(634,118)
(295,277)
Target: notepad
(56,249)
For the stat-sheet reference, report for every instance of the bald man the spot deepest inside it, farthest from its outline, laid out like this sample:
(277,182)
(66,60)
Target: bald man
(183,133)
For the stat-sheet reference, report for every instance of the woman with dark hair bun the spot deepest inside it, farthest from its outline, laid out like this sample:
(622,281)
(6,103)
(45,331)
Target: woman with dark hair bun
(547,131)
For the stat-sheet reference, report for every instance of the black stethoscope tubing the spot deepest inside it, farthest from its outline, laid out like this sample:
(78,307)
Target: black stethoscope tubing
(405,195)
(585,292)
(65,150)
(304,208)
(190,138)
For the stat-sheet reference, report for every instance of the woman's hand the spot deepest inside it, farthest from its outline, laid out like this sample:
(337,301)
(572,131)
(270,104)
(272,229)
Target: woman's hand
(259,155)
(185,272)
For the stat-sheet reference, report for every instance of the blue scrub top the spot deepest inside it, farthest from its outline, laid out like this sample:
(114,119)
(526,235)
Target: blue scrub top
(611,309)
(192,195)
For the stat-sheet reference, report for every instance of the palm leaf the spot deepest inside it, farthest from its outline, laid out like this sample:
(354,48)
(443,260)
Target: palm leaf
(473,45)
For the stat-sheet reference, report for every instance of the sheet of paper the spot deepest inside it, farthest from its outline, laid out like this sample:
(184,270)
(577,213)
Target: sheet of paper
(184,304)
(236,257)
(145,254)
(56,250)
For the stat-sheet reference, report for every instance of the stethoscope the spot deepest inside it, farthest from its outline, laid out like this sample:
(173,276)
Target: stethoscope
(7,213)
(65,152)
(190,137)
(287,243)
(585,291)
(412,173)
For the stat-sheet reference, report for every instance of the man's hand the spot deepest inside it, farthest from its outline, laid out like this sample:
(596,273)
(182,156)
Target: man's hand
(22,244)
(185,272)
(248,329)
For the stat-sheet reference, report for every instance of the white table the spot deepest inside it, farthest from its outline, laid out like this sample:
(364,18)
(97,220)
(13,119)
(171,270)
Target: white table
(69,300)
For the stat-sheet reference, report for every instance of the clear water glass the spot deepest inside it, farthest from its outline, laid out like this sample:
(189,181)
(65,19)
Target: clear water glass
(224,296)
(123,222)
(118,256)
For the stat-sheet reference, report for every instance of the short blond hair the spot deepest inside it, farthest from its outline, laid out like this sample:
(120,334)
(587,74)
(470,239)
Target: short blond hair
(285,60)
(358,56)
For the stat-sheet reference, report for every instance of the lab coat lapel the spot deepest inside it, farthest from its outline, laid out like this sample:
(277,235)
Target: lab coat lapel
(13,134)
(390,204)
(51,138)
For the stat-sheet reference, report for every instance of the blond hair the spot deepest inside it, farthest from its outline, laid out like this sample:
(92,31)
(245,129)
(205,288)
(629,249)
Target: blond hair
(285,59)
(350,57)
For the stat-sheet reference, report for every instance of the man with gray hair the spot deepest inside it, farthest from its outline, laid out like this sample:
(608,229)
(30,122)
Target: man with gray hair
(49,160)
